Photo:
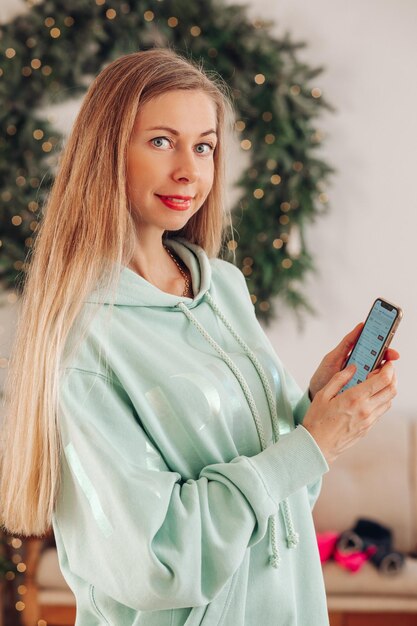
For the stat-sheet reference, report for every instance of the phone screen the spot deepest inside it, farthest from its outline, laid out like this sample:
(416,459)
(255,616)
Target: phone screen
(371,341)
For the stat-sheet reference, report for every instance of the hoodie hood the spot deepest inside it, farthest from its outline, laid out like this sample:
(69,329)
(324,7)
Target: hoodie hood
(134,290)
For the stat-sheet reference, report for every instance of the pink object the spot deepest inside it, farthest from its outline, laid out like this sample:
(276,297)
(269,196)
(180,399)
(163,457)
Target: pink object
(353,561)
(327,543)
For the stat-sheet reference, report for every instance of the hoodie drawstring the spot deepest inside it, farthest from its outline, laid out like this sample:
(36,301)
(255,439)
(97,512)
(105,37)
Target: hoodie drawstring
(291,535)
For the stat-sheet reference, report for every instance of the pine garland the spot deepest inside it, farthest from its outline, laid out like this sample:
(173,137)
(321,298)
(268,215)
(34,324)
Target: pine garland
(52,52)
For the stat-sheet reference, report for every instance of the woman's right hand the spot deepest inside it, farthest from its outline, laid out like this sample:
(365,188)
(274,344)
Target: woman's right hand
(336,420)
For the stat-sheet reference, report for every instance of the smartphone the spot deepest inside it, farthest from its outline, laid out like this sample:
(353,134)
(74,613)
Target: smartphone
(376,335)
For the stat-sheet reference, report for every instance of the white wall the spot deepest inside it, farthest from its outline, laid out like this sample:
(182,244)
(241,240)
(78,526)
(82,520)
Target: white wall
(365,247)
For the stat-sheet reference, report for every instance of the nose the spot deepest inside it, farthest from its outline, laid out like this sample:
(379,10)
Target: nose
(185,167)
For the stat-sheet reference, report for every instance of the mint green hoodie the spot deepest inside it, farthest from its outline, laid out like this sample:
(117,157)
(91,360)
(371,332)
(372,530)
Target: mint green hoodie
(187,479)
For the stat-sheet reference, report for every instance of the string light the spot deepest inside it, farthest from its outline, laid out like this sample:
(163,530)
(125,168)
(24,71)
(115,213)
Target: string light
(271,164)
(253,298)
(149,16)
(31,42)
(316,137)
(69,21)
(316,92)
(55,33)
(240,125)
(26,70)
(285,206)
(277,244)
(284,219)
(264,306)
(49,21)
(11,299)
(275,179)
(259,79)
(297,166)
(10,53)
(38,133)
(16,220)
(47,146)
(195,31)
(246,144)
(111,14)
(258,194)
(36,63)
(269,138)
(267,116)
(232,245)
(286,264)
(46,70)
(295,90)
(172,22)
(262,237)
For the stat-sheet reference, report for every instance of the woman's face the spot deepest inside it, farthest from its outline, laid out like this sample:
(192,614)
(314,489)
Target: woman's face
(170,165)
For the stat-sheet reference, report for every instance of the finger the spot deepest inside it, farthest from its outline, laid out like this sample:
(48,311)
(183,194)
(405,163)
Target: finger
(338,381)
(379,412)
(350,339)
(387,394)
(391,355)
(340,353)
(378,380)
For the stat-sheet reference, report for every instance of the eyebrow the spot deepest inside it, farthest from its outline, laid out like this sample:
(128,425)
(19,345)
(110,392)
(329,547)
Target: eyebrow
(175,132)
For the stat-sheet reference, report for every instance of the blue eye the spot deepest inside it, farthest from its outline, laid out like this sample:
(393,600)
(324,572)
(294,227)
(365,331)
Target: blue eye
(158,142)
(204,145)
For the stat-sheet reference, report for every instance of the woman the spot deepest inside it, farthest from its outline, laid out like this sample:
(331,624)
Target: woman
(150,420)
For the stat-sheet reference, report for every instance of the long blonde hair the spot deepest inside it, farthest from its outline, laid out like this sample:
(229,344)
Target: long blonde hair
(86,233)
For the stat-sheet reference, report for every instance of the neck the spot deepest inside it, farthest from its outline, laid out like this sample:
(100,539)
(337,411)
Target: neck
(150,259)
(154,264)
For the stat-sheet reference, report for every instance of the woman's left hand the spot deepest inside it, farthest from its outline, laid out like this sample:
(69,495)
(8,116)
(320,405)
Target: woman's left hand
(334,360)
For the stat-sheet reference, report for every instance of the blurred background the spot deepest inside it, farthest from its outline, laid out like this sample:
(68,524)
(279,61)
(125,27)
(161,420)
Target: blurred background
(364,247)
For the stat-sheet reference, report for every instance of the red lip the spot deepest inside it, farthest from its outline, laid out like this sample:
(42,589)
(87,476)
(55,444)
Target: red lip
(174,196)
(176,206)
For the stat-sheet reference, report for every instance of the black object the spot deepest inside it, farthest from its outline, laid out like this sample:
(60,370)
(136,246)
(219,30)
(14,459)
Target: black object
(367,533)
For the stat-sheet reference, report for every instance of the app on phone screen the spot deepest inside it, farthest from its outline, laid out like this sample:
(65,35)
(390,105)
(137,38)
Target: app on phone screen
(366,351)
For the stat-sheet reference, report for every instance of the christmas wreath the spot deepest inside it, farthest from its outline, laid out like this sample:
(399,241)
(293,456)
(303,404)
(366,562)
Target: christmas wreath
(52,51)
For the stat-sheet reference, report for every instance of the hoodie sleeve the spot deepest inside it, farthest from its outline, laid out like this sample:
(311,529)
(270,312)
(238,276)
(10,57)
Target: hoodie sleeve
(141,533)
(300,403)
